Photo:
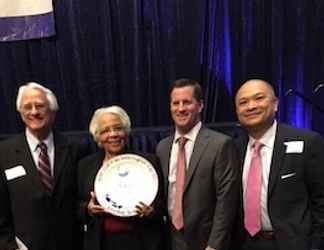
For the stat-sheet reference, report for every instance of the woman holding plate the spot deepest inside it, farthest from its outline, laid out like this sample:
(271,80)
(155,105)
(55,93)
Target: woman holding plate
(110,127)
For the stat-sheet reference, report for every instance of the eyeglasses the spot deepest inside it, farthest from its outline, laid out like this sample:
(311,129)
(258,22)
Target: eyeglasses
(28,108)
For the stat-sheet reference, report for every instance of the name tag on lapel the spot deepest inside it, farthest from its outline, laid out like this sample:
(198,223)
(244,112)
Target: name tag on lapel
(294,147)
(15,172)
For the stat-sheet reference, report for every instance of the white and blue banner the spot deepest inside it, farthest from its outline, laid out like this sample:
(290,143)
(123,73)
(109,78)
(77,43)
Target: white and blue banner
(26,19)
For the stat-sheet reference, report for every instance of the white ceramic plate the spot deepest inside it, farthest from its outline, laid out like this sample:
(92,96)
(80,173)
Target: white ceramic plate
(123,182)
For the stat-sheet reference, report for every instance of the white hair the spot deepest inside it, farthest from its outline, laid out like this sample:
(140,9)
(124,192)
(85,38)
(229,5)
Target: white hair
(115,110)
(51,98)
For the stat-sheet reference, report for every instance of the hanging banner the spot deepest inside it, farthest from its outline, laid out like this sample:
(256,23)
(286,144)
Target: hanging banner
(26,19)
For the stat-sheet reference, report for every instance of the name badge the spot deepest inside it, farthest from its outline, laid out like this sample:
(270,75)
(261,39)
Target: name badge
(15,172)
(294,147)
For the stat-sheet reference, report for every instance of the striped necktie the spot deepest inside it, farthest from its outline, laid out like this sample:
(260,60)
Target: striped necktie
(44,167)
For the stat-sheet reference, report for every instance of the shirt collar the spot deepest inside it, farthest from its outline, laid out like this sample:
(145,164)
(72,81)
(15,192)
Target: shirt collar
(33,141)
(268,138)
(191,135)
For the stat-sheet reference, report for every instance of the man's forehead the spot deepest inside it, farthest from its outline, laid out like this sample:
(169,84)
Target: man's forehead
(183,92)
(252,93)
(182,89)
(33,92)
(254,88)
(34,95)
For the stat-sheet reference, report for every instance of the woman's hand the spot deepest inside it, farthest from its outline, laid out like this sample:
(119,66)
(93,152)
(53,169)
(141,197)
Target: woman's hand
(94,208)
(143,210)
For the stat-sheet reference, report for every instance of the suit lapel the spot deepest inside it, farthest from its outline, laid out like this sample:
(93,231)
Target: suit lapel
(242,147)
(165,161)
(25,156)
(242,143)
(61,152)
(277,159)
(199,147)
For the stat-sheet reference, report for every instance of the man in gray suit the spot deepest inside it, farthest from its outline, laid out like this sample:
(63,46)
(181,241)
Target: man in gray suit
(201,201)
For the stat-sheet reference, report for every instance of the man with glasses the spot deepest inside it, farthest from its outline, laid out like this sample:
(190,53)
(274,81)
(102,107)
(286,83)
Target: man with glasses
(38,179)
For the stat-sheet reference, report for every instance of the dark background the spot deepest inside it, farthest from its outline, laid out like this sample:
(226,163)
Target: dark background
(127,52)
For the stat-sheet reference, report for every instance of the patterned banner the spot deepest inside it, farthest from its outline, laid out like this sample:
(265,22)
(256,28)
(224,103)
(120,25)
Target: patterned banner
(26,19)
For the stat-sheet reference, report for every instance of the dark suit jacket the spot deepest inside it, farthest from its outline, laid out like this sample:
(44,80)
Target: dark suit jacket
(41,221)
(296,189)
(211,188)
(150,230)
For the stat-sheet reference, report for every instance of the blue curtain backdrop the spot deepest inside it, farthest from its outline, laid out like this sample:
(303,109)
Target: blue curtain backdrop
(128,52)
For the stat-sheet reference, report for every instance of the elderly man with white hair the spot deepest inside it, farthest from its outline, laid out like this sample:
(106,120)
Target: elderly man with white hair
(38,179)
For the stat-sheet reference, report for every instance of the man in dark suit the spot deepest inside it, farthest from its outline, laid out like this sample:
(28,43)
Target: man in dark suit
(283,167)
(38,181)
(201,200)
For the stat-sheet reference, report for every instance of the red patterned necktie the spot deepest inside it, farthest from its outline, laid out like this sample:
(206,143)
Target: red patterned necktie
(177,213)
(252,210)
(44,168)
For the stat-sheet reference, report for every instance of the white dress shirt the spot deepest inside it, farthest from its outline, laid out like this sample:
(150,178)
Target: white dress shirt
(35,150)
(191,136)
(266,155)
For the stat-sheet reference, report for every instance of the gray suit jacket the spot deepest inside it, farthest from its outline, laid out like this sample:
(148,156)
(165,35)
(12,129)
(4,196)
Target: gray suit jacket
(211,189)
